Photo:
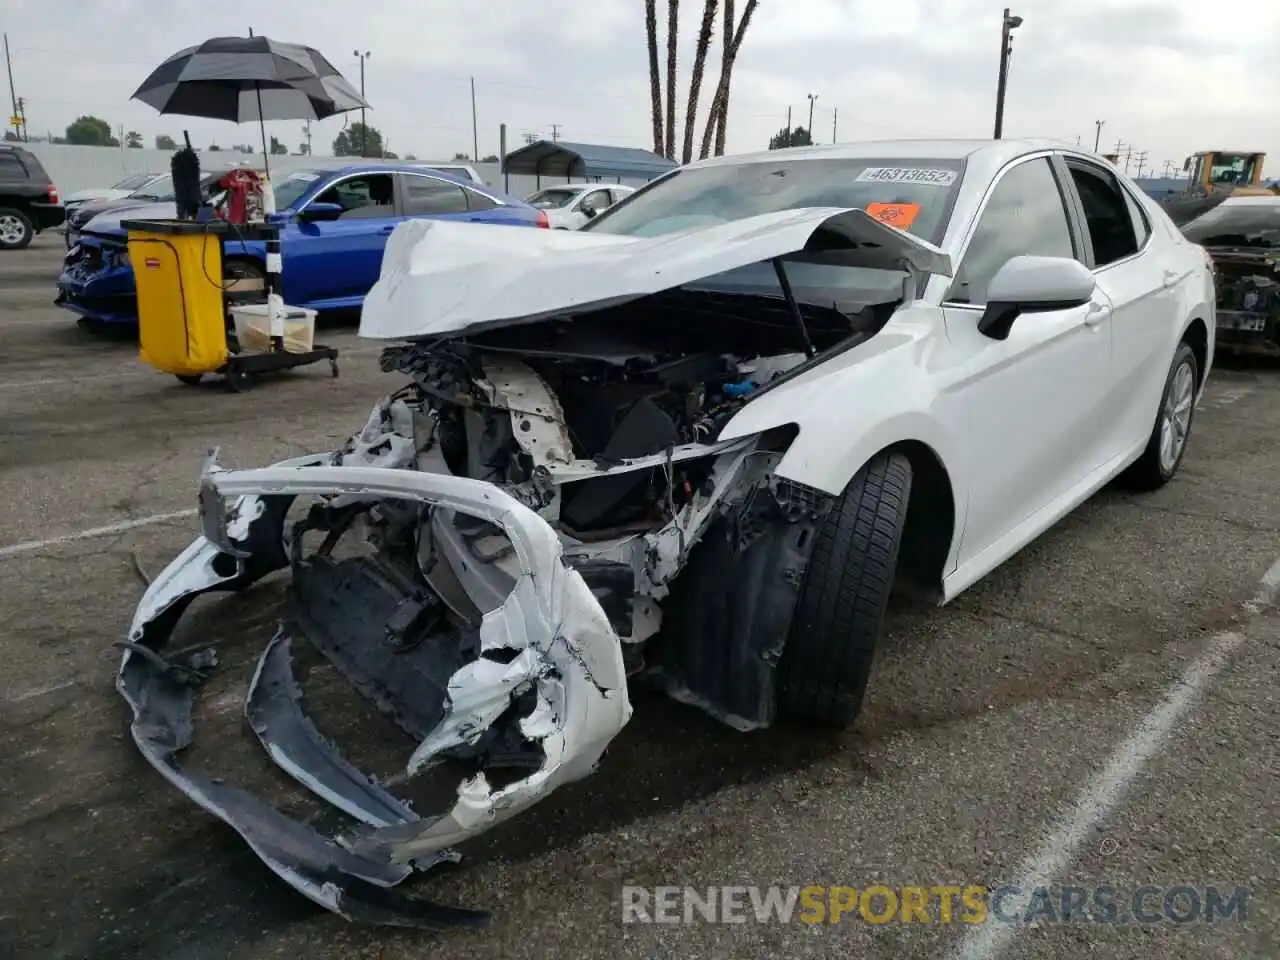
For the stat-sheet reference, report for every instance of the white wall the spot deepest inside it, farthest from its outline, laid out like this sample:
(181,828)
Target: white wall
(74,167)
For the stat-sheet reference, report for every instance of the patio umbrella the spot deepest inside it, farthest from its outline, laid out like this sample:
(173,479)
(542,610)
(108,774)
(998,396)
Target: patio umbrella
(243,79)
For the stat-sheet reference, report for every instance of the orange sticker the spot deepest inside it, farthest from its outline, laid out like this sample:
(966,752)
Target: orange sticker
(900,215)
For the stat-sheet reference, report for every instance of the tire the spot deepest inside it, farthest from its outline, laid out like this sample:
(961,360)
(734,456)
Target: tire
(238,379)
(1156,466)
(16,229)
(826,662)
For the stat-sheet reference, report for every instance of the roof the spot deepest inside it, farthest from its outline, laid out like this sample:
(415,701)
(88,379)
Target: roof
(996,150)
(546,158)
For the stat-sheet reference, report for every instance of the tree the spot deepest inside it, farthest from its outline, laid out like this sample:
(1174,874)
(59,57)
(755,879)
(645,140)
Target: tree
(348,142)
(411,157)
(133,140)
(663,115)
(166,142)
(795,137)
(278,148)
(304,149)
(490,158)
(214,148)
(462,156)
(91,132)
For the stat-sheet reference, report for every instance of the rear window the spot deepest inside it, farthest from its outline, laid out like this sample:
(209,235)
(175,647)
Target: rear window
(1237,225)
(916,195)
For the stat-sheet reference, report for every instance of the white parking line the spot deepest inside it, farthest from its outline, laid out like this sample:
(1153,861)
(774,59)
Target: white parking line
(1105,790)
(124,526)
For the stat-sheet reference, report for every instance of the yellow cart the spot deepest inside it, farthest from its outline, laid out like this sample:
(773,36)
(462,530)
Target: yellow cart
(183,304)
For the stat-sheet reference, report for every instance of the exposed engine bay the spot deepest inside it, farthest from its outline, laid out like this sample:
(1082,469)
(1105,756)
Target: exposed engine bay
(1248,286)
(543,512)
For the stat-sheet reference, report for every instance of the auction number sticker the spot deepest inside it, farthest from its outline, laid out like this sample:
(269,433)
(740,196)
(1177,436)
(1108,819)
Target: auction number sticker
(922,175)
(900,215)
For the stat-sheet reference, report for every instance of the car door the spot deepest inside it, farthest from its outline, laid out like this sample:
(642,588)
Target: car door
(1035,404)
(602,200)
(339,260)
(1143,291)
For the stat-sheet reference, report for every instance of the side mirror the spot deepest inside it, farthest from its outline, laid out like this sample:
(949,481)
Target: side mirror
(321,211)
(1030,285)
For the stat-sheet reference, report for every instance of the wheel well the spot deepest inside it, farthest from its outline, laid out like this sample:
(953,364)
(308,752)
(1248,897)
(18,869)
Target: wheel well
(931,523)
(1197,338)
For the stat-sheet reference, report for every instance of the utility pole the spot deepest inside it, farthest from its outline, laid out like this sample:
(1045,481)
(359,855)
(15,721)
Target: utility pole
(1007,25)
(788,141)
(1097,136)
(13,96)
(22,115)
(475,135)
(835,114)
(555,132)
(1168,165)
(306,132)
(812,97)
(364,128)
(1142,162)
(1128,155)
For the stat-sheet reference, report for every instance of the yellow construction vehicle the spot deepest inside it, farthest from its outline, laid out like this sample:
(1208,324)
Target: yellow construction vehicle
(1234,171)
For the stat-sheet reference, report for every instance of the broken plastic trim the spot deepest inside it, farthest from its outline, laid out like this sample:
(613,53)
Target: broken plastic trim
(567,652)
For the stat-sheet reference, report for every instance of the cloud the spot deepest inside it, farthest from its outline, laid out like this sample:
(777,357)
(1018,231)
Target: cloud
(1168,77)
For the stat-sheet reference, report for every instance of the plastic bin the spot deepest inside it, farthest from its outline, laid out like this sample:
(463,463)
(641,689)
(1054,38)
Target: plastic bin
(253,328)
(176,268)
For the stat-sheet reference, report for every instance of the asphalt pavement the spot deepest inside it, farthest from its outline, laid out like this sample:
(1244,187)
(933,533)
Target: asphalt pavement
(1100,712)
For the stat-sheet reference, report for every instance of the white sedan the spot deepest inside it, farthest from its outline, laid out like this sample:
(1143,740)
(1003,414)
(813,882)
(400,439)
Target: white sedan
(570,206)
(698,444)
(134,183)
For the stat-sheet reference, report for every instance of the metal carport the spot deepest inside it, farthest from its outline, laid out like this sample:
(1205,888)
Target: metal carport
(590,161)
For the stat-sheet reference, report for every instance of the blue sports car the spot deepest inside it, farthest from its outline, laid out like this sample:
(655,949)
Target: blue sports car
(334,228)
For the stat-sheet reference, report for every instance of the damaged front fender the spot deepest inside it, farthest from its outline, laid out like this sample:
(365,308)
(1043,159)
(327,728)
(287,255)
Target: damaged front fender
(548,645)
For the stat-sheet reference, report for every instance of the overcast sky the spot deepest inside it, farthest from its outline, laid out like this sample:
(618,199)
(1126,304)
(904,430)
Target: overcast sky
(1167,77)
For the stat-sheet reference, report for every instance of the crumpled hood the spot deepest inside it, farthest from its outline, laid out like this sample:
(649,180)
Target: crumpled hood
(441,278)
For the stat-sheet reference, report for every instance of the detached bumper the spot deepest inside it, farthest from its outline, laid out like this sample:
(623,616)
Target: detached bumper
(547,668)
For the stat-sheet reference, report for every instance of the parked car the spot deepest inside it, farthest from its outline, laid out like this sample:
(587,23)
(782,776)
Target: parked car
(463,170)
(698,443)
(335,224)
(134,183)
(571,206)
(1242,235)
(29,200)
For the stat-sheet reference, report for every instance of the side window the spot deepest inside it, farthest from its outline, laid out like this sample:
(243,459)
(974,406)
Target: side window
(362,197)
(11,166)
(600,198)
(428,196)
(1139,216)
(1106,214)
(478,201)
(1024,215)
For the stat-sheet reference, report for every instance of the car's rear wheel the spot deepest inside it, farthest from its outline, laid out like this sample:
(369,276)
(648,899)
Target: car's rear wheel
(826,662)
(16,229)
(1168,442)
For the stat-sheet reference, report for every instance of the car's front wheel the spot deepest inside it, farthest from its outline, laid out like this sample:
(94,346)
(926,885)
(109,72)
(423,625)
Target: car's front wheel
(826,662)
(1168,440)
(16,229)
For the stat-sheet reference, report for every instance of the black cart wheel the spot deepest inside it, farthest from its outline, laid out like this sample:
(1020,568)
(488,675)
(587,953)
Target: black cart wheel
(333,368)
(238,379)
(190,379)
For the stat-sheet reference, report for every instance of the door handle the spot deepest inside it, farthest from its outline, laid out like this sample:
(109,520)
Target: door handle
(1170,278)
(1096,315)
(386,231)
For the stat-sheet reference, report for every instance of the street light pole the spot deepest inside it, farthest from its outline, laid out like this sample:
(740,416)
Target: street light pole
(1097,137)
(812,98)
(364,129)
(1007,26)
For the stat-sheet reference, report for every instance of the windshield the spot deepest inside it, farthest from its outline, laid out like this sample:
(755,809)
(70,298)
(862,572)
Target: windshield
(552,199)
(294,186)
(915,195)
(1237,225)
(133,182)
(159,189)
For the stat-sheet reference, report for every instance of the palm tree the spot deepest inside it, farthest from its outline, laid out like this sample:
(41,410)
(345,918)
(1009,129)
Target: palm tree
(695,79)
(718,120)
(655,81)
(673,40)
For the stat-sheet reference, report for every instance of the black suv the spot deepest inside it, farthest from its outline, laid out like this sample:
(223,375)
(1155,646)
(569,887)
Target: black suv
(28,199)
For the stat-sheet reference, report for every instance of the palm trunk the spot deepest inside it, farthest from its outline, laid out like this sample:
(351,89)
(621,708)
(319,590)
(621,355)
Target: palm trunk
(673,40)
(655,80)
(695,79)
(718,121)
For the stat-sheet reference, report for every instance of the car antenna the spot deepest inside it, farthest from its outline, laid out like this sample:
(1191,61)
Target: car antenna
(793,305)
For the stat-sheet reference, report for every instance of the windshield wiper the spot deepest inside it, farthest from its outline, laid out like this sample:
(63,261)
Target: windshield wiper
(794,306)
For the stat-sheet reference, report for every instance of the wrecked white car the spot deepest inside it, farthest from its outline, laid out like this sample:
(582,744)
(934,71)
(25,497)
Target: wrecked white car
(696,444)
